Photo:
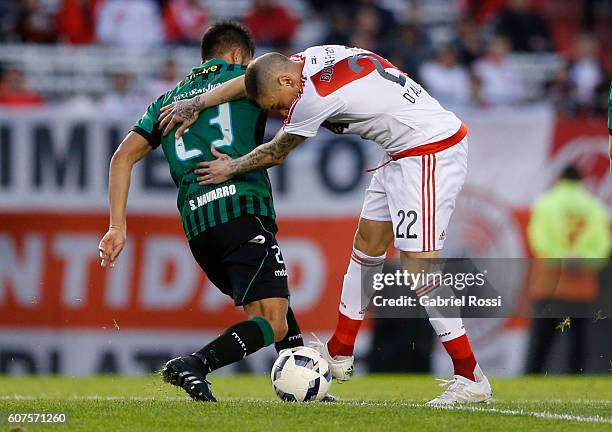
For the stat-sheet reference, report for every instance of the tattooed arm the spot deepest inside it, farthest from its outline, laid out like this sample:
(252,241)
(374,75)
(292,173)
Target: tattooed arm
(264,156)
(185,112)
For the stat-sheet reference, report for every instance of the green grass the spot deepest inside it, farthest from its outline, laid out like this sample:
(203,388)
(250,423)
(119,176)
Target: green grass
(372,403)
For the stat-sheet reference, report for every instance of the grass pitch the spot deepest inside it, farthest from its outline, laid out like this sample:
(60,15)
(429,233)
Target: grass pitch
(372,403)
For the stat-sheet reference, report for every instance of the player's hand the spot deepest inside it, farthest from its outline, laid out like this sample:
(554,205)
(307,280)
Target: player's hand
(216,171)
(183,113)
(111,246)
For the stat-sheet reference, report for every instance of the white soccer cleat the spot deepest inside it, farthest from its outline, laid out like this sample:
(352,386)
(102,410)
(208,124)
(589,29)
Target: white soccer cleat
(341,367)
(463,390)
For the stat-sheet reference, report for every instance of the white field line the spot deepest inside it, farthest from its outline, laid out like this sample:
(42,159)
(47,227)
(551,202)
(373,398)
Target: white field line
(524,413)
(561,401)
(504,411)
(479,409)
(343,401)
(17,397)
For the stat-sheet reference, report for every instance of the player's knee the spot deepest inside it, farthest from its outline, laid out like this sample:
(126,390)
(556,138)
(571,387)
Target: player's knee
(419,255)
(417,262)
(361,242)
(279,326)
(369,245)
(274,311)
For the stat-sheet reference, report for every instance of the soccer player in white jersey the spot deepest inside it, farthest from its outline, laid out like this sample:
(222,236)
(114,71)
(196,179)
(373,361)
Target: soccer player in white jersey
(411,195)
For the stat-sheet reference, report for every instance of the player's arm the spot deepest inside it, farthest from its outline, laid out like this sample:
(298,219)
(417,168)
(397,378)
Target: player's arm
(133,148)
(264,156)
(186,112)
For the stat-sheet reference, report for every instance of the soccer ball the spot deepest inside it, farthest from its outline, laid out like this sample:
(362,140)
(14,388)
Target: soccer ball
(300,375)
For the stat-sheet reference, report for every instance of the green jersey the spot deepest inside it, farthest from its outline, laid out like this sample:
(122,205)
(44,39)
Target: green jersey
(234,128)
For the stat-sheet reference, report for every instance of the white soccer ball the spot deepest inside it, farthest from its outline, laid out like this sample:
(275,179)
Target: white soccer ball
(300,375)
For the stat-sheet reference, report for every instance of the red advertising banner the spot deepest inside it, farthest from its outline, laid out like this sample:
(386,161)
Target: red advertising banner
(51,275)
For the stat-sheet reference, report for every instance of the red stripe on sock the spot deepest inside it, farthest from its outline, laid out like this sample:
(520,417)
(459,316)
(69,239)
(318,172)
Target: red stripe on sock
(460,351)
(426,289)
(343,340)
(367,262)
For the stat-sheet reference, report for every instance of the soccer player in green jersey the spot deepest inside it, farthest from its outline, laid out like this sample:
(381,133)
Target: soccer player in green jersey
(230,226)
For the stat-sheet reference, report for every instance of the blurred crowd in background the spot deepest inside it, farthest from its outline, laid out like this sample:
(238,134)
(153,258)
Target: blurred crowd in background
(464,52)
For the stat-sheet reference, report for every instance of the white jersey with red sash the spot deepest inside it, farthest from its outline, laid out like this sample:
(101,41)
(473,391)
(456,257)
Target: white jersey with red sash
(350,90)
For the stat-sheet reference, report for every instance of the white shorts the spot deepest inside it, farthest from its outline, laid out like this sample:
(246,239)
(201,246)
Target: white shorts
(417,194)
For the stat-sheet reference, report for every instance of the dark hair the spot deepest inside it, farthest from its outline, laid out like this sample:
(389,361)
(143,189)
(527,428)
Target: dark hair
(571,172)
(252,78)
(222,36)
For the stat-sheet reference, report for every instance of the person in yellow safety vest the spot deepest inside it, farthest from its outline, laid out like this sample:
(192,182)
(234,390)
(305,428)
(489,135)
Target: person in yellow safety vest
(567,224)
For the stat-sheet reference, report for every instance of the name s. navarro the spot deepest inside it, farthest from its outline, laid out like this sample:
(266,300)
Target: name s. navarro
(212,195)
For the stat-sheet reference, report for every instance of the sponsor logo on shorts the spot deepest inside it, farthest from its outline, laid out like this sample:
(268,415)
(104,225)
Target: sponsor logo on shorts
(258,239)
(281,273)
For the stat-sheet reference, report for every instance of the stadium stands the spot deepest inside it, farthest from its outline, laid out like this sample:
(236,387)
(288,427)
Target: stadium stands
(409,33)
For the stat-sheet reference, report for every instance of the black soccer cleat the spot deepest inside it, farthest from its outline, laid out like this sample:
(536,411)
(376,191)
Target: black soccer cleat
(188,373)
(329,399)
